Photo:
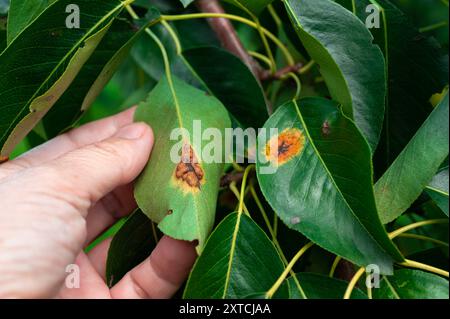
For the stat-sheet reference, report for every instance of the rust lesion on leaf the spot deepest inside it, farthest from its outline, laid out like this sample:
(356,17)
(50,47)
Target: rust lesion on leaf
(283,147)
(189,174)
(3,159)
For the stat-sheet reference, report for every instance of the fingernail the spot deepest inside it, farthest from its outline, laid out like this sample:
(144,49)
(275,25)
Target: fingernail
(131,132)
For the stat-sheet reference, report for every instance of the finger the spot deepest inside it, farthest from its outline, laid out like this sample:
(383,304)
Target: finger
(84,283)
(160,275)
(117,204)
(76,138)
(98,257)
(83,176)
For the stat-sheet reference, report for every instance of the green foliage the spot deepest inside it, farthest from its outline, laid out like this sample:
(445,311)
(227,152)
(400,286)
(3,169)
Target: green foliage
(407,103)
(330,288)
(231,82)
(412,284)
(184,209)
(361,149)
(133,242)
(334,156)
(355,75)
(415,166)
(236,248)
(21,13)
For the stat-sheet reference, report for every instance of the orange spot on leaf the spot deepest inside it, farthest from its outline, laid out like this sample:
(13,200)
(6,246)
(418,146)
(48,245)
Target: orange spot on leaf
(281,148)
(189,174)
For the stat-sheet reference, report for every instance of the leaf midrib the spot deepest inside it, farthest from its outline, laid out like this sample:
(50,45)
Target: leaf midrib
(332,178)
(232,250)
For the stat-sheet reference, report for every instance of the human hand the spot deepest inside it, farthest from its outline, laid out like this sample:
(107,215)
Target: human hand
(60,196)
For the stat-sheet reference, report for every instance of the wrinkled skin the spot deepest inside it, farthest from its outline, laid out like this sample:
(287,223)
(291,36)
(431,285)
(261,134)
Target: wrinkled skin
(60,196)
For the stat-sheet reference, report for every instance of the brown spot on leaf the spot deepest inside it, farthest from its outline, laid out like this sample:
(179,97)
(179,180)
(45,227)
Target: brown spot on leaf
(169,212)
(282,148)
(3,159)
(189,174)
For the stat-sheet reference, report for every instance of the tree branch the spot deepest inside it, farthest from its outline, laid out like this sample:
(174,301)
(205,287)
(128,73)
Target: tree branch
(227,35)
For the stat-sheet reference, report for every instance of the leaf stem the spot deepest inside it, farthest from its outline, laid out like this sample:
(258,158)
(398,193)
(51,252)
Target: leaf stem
(424,238)
(263,212)
(275,224)
(414,264)
(288,56)
(404,229)
(336,262)
(407,263)
(243,185)
(288,269)
(274,238)
(261,57)
(235,191)
(353,282)
(294,76)
(433,26)
(166,64)
(274,15)
(263,37)
(307,67)
(174,36)
(391,287)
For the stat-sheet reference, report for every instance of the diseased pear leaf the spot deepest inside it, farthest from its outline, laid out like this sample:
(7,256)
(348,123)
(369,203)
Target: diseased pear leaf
(316,173)
(180,193)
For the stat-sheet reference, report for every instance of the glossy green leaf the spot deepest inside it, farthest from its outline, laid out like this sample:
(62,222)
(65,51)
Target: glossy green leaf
(132,244)
(415,167)
(231,82)
(322,183)
(416,70)
(352,66)
(95,74)
(238,261)
(35,76)
(438,189)
(22,13)
(183,206)
(411,246)
(318,286)
(254,6)
(412,284)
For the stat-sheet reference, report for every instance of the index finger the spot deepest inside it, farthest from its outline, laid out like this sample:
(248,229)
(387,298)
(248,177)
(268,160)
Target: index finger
(74,139)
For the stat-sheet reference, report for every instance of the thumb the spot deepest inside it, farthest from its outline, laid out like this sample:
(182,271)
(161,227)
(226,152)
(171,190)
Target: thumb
(93,171)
